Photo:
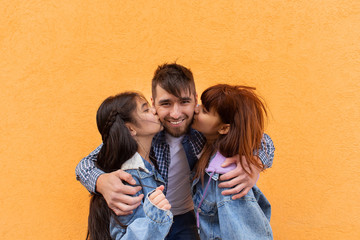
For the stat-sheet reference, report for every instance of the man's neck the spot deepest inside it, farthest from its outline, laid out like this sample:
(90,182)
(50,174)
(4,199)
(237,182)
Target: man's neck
(173,140)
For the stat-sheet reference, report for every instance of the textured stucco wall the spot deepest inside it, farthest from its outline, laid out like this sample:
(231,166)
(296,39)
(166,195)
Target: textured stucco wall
(60,59)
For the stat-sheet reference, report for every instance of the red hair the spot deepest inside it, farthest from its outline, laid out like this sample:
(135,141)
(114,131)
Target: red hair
(245,111)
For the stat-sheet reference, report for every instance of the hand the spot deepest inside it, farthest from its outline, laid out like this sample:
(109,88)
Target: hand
(238,180)
(116,194)
(158,199)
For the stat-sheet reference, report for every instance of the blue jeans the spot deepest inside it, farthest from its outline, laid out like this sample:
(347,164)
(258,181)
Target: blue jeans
(184,227)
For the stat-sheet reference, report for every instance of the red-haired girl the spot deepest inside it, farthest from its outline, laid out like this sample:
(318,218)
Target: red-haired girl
(232,120)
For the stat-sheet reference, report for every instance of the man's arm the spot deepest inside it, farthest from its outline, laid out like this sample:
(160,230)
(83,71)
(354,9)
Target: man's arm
(238,180)
(86,171)
(266,152)
(110,185)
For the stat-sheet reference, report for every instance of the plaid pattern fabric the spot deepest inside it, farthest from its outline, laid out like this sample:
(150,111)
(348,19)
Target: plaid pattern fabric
(193,143)
(86,171)
(266,153)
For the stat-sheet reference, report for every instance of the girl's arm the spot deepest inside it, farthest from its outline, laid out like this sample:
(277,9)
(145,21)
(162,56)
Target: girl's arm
(151,220)
(246,218)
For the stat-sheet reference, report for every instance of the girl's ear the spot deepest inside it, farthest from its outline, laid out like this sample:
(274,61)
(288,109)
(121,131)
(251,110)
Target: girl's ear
(224,129)
(131,129)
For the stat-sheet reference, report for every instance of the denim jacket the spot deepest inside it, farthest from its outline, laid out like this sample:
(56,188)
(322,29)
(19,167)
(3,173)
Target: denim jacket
(220,217)
(147,221)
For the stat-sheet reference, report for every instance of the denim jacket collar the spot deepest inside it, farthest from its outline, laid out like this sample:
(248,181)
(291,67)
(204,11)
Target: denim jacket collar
(214,177)
(135,162)
(144,169)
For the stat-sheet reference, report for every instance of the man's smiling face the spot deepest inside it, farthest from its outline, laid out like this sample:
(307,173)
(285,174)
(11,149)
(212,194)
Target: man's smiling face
(175,113)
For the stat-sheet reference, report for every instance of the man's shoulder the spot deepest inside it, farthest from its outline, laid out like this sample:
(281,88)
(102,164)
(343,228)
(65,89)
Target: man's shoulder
(196,140)
(195,136)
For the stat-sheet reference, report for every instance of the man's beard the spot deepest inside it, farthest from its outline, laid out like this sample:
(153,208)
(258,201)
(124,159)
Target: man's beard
(178,132)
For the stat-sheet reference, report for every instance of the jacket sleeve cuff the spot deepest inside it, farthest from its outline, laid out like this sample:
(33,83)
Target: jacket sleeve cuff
(156,214)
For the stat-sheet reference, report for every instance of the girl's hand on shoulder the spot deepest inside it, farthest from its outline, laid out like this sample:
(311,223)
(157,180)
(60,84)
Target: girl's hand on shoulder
(158,199)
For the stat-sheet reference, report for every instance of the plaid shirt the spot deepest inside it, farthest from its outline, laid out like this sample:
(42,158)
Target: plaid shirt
(193,143)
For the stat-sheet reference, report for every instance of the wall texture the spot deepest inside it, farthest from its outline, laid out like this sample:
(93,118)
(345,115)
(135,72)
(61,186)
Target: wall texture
(60,59)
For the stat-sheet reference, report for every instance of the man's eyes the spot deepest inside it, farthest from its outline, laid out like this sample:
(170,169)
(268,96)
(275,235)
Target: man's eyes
(165,104)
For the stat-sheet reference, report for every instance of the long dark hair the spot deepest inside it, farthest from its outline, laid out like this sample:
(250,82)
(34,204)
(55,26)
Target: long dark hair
(118,146)
(245,111)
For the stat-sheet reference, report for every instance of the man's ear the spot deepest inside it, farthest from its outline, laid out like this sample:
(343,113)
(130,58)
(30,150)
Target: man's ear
(131,129)
(224,129)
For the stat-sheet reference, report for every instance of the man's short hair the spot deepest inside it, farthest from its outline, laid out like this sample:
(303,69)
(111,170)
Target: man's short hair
(174,78)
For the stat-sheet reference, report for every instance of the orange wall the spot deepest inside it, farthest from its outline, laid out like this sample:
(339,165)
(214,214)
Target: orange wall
(60,59)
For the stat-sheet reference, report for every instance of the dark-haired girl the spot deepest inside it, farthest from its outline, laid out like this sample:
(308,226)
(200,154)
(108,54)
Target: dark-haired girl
(232,120)
(127,125)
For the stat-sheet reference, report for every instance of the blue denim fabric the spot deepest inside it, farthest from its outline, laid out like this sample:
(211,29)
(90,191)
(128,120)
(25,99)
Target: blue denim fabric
(87,173)
(221,217)
(147,221)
